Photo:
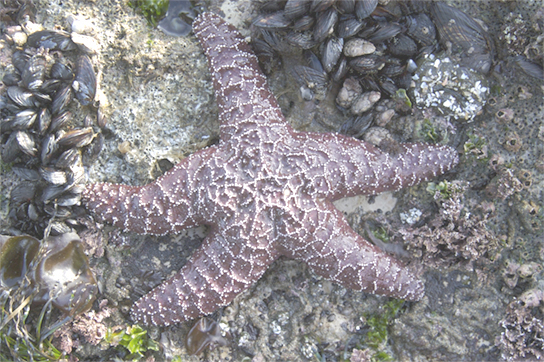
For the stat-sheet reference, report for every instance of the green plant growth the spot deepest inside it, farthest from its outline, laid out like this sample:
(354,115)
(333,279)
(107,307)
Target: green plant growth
(428,131)
(19,341)
(134,339)
(152,10)
(403,97)
(476,146)
(376,338)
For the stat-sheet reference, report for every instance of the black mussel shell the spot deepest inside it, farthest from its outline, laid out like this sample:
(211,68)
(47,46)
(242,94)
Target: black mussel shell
(18,144)
(363,8)
(275,20)
(85,81)
(61,71)
(325,23)
(346,6)
(321,5)
(531,69)
(53,176)
(402,46)
(421,28)
(76,138)
(11,78)
(304,23)
(62,99)
(49,148)
(44,121)
(349,25)
(24,119)
(33,74)
(50,86)
(296,8)
(303,40)
(356,126)
(21,97)
(60,120)
(381,32)
(367,63)
(50,39)
(465,35)
(331,53)
(19,60)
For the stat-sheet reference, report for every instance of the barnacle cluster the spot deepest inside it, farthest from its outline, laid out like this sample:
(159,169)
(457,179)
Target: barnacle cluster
(523,336)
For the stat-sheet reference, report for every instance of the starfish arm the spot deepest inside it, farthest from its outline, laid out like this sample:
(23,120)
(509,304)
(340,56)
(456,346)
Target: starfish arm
(333,250)
(240,86)
(161,207)
(217,272)
(341,166)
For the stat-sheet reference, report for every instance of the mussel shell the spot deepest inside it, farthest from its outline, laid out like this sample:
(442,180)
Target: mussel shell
(465,35)
(76,138)
(24,119)
(19,60)
(33,74)
(303,40)
(321,5)
(62,98)
(49,148)
(101,119)
(53,176)
(381,32)
(51,86)
(25,173)
(304,23)
(18,143)
(363,8)
(341,70)
(44,121)
(313,61)
(357,125)
(349,25)
(61,71)
(311,79)
(325,23)
(531,69)
(296,8)
(331,53)
(276,20)
(50,39)
(346,6)
(21,97)
(367,63)
(421,28)
(68,158)
(402,46)
(11,78)
(68,199)
(60,120)
(85,81)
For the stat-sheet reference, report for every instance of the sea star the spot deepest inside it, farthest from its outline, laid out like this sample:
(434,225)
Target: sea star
(265,190)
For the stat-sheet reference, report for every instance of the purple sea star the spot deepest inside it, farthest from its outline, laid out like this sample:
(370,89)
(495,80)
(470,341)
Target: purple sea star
(265,191)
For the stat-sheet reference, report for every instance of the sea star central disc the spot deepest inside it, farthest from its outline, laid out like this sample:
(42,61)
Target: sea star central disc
(265,191)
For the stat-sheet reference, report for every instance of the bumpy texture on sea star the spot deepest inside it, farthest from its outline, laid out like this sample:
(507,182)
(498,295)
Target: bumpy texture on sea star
(265,191)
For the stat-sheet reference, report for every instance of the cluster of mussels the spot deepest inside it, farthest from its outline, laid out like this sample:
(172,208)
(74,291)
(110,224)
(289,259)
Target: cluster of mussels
(40,136)
(372,47)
